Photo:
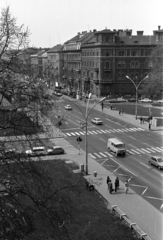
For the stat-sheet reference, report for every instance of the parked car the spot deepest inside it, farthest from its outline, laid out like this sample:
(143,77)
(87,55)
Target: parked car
(146,100)
(97,121)
(132,100)
(68,107)
(156,161)
(55,150)
(36,151)
(160,101)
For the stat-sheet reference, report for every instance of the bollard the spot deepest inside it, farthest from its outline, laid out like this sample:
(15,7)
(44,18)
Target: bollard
(95,174)
(81,167)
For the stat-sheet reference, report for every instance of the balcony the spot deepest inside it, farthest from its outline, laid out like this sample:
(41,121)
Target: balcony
(96,82)
(109,81)
(107,70)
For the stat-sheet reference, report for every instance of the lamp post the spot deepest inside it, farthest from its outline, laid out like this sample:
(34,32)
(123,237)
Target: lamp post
(86,115)
(136,89)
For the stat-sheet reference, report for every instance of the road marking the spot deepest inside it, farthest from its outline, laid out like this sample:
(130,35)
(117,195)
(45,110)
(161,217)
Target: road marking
(103,131)
(108,154)
(123,167)
(161,207)
(130,152)
(141,129)
(92,156)
(94,132)
(98,131)
(159,149)
(77,133)
(144,191)
(82,133)
(145,150)
(145,165)
(154,198)
(135,151)
(68,134)
(151,150)
(104,161)
(139,150)
(102,139)
(97,155)
(103,154)
(156,149)
(73,134)
(107,131)
(90,132)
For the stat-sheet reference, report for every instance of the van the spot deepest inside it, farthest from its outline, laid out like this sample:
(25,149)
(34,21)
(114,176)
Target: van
(116,146)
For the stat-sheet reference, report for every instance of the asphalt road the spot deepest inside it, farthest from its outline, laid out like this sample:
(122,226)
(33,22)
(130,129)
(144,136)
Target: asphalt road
(145,180)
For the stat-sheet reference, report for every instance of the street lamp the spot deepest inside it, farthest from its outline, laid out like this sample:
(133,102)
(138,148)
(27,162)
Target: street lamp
(86,115)
(136,89)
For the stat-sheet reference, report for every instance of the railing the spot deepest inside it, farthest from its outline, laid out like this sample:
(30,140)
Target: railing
(132,225)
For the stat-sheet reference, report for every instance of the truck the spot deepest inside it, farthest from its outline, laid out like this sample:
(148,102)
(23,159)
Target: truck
(116,146)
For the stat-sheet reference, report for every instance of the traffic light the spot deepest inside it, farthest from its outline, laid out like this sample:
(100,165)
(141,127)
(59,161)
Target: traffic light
(79,139)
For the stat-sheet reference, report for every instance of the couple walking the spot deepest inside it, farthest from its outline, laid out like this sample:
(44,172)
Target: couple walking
(110,185)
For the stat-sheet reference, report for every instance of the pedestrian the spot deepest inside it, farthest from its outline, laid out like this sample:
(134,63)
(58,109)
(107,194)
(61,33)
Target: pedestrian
(111,107)
(119,112)
(141,120)
(126,186)
(117,182)
(108,179)
(110,187)
(102,106)
(149,125)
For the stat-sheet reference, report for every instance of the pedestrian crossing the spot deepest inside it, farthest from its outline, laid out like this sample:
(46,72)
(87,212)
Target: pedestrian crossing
(133,151)
(122,130)
(69,149)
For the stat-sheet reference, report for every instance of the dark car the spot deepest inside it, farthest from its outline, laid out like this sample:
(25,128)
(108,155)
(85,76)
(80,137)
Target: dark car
(132,100)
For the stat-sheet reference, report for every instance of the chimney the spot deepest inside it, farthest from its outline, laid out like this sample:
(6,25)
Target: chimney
(159,27)
(140,33)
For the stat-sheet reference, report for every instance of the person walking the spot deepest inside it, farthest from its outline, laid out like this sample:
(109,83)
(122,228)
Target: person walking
(108,180)
(126,186)
(141,120)
(116,183)
(102,106)
(119,112)
(110,187)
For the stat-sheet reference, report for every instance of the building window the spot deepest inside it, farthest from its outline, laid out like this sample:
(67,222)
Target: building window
(137,65)
(107,64)
(134,53)
(123,64)
(150,65)
(121,53)
(123,76)
(119,76)
(146,64)
(132,64)
(119,64)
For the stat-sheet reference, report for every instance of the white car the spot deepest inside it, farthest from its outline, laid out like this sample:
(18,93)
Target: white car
(68,107)
(160,101)
(121,100)
(97,121)
(157,161)
(146,100)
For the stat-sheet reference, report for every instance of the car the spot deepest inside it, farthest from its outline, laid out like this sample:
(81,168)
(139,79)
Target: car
(157,161)
(160,101)
(146,100)
(68,107)
(121,100)
(97,121)
(55,150)
(132,100)
(36,151)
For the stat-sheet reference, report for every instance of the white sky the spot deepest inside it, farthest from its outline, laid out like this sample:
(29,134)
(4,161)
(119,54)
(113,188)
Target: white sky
(56,21)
